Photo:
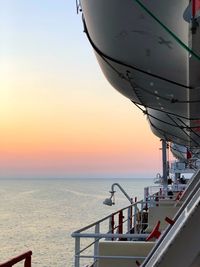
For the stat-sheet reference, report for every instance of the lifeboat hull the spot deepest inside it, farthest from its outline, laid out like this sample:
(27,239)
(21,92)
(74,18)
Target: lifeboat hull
(140,49)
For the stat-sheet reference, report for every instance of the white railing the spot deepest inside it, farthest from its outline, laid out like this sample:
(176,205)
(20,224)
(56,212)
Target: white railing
(125,224)
(128,223)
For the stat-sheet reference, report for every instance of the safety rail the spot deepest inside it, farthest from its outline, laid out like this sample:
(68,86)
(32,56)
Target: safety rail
(125,224)
(25,256)
(161,191)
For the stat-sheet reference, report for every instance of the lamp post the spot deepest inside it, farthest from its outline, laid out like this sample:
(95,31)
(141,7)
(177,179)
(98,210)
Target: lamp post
(109,201)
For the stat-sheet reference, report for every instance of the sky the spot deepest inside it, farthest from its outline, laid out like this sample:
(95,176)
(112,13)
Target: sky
(59,117)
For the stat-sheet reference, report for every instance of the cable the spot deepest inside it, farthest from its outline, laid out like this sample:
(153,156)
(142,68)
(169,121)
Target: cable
(181,152)
(146,90)
(173,114)
(171,100)
(104,57)
(183,129)
(173,35)
(166,132)
(128,79)
(191,128)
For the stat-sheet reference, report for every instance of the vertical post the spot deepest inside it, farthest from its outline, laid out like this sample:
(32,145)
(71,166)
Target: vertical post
(77,251)
(142,216)
(164,161)
(120,222)
(142,204)
(135,218)
(193,8)
(112,225)
(27,262)
(160,193)
(146,196)
(129,221)
(131,217)
(96,244)
(146,193)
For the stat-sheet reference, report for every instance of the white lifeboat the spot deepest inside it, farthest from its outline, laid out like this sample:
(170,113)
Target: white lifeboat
(148,53)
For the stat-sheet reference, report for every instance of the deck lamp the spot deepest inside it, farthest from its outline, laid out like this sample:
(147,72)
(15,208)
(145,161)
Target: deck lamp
(110,201)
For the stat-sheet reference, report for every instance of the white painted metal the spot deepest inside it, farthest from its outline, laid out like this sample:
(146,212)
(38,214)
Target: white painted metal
(123,31)
(93,232)
(110,236)
(133,49)
(192,187)
(77,249)
(183,237)
(122,190)
(96,244)
(182,218)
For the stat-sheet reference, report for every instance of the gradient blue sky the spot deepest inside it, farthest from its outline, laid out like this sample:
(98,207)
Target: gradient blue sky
(59,117)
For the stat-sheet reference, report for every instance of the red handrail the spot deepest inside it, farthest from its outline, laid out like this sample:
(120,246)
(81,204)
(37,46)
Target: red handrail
(25,256)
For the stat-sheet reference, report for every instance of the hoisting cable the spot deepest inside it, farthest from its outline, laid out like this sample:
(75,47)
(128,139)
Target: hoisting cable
(191,128)
(173,35)
(106,57)
(145,112)
(164,132)
(170,124)
(170,113)
(166,113)
(171,100)
(147,91)
(170,134)
(182,128)
(181,152)
(134,85)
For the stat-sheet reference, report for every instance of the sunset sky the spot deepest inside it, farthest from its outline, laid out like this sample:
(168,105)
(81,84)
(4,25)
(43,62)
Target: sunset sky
(59,117)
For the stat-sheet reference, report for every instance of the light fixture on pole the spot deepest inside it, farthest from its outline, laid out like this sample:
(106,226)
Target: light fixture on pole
(110,201)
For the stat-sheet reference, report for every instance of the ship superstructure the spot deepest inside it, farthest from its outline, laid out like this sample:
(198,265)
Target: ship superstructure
(149,50)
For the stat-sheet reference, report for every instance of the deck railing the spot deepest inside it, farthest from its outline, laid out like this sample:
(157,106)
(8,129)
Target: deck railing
(124,224)
(25,256)
(128,223)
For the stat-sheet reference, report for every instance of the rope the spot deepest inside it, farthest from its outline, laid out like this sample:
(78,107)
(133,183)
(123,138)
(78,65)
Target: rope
(128,79)
(191,128)
(104,57)
(181,152)
(170,113)
(182,128)
(173,35)
(171,100)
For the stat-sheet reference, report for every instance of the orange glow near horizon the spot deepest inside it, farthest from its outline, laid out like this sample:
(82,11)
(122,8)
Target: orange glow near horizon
(58,114)
(49,131)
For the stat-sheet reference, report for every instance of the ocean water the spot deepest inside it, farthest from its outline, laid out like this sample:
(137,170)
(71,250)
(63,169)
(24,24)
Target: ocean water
(41,214)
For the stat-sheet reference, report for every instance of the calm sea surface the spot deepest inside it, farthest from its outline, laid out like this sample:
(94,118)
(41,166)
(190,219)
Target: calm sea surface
(41,214)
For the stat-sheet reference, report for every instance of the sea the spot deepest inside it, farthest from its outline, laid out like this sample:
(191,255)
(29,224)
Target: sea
(41,214)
